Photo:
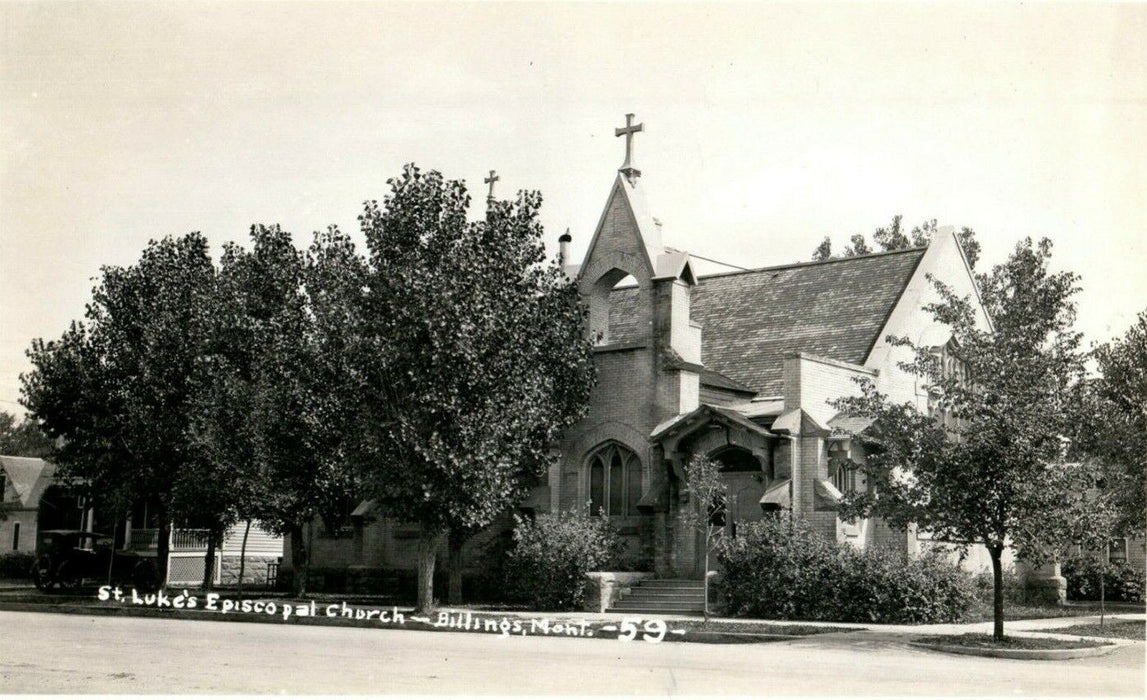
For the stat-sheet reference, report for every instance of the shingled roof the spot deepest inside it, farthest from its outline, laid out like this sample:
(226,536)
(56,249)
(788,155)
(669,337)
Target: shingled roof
(751,320)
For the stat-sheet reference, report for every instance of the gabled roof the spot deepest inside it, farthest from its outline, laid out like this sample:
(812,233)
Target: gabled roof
(29,476)
(835,308)
(750,320)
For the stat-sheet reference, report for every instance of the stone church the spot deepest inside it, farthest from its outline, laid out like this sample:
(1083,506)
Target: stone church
(739,366)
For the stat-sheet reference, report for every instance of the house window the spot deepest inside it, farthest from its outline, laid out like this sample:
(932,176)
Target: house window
(844,476)
(614,481)
(15,536)
(1118,549)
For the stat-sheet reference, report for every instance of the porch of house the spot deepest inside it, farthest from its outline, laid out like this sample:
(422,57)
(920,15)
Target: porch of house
(188,551)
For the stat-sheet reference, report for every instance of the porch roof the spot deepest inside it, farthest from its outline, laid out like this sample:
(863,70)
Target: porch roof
(687,420)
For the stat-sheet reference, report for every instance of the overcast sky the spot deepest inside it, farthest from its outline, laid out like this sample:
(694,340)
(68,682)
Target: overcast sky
(767,127)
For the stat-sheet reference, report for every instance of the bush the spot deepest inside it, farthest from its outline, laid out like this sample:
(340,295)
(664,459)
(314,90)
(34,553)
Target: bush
(16,565)
(779,569)
(552,554)
(1122,581)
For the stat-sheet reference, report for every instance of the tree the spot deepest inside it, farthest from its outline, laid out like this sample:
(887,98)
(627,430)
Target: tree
(1112,424)
(120,387)
(23,439)
(989,467)
(709,494)
(893,237)
(473,358)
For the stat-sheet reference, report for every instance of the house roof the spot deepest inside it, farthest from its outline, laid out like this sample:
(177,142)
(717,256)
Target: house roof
(29,476)
(835,308)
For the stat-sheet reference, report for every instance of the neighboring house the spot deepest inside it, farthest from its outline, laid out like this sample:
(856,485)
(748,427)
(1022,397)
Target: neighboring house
(740,366)
(34,502)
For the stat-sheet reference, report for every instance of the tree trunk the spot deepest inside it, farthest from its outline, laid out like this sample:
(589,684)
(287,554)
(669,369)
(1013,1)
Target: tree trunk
(111,559)
(455,594)
(427,552)
(997,593)
(298,560)
(1102,584)
(706,579)
(209,562)
(162,550)
(243,557)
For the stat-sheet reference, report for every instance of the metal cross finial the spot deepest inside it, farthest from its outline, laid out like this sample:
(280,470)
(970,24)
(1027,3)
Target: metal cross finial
(490,181)
(628,131)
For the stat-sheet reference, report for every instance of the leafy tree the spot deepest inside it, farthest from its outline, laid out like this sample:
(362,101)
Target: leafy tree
(475,358)
(894,237)
(709,494)
(120,387)
(1112,425)
(991,469)
(23,439)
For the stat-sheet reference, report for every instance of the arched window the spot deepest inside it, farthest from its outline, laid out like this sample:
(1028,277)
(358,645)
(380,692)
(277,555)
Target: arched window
(614,481)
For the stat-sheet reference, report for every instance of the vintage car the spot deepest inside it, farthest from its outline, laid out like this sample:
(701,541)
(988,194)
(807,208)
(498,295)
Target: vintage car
(66,559)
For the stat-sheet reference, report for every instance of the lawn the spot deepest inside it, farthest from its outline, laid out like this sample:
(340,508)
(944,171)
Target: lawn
(986,641)
(1118,629)
(982,612)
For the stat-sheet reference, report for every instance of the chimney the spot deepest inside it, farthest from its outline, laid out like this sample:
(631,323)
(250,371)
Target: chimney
(564,246)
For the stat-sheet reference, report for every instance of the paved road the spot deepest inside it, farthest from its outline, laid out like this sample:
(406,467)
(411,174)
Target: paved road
(47,653)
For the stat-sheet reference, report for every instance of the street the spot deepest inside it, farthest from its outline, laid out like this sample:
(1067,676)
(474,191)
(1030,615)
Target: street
(51,653)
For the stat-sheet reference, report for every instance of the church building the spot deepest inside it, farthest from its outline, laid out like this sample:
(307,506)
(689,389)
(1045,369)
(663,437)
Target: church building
(739,366)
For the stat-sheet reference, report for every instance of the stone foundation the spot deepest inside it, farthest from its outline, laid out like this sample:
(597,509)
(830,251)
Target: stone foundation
(255,573)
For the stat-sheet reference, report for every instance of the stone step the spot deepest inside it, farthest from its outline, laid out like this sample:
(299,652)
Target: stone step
(670,583)
(665,593)
(656,609)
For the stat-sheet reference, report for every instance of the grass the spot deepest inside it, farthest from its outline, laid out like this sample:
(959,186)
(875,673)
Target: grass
(1117,629)
(1015,610)
(986,641)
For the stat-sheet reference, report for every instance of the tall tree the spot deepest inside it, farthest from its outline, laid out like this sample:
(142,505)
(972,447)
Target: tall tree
(988,466)
(120,387)
(477,358)
(23,438)
(894,237)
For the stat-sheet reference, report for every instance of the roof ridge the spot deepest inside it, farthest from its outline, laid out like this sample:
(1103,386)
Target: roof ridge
(809,263)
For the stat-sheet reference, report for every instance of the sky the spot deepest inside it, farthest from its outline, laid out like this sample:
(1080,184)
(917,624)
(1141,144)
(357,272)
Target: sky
(767,127)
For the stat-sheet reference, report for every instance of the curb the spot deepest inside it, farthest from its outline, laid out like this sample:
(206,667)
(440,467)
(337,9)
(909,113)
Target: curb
(1026,654)
(707,637)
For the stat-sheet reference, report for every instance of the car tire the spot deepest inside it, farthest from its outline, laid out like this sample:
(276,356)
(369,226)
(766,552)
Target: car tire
(68,578)
(41,576)
(144,576)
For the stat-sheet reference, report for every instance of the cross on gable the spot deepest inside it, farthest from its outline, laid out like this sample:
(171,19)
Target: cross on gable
(490,181)
(628,131)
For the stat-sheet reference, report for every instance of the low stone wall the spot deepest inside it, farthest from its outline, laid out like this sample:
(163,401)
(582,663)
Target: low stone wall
(605,586)
(254,573)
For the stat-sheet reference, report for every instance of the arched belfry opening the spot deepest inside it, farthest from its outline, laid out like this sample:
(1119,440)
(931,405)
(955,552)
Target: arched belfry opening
(612,301)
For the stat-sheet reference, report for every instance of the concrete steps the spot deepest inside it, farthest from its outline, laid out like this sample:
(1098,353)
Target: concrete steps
(664,596)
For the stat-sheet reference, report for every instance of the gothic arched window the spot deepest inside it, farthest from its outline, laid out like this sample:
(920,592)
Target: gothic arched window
(614,481)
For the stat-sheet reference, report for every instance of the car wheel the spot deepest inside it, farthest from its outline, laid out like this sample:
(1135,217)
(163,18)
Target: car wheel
(68,578)
(42,576)
(144,576)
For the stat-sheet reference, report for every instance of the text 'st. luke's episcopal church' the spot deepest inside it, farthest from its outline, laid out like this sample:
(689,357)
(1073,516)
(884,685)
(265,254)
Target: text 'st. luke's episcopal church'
(739,366)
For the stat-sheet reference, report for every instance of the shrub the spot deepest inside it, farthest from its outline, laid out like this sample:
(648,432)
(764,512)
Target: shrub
(552,554)
(16,565)
(779,569)
(1122,581)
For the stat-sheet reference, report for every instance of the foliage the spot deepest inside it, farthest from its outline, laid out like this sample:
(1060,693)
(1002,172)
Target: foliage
(552,554)
(992,471)
(16,564)
(894,237)
(785,570)
(1112,428)
(472,357)
(120,387)
(709,494)
(1122,581)
(23,439)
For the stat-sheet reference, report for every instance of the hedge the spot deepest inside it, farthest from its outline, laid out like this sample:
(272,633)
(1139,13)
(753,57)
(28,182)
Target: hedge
(782,569)
(1122,581)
